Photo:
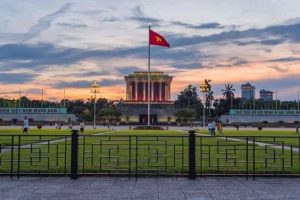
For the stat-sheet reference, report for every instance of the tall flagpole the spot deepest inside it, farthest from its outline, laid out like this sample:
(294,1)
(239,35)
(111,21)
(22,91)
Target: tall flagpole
(298,101)
(149,78)
(64,97)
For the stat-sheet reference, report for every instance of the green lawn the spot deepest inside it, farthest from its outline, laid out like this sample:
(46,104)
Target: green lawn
(34,135)
(151,152)
(278,137)
(149,132)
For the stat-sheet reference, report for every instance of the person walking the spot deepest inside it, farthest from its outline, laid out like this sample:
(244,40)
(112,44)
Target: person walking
(25,126)
(209,126)
(220,128)
(70,125)
(213,128)
(81,126)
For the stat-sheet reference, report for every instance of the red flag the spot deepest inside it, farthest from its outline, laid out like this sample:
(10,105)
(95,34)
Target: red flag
(156,39)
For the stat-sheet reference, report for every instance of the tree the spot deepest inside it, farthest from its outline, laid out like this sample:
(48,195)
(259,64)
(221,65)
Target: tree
(207,83)
(109,115)
(209,101)
(185,115)
(228,93)
(209,95)
(188,97)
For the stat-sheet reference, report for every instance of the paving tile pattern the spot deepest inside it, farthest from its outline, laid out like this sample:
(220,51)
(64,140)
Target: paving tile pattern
(203,188)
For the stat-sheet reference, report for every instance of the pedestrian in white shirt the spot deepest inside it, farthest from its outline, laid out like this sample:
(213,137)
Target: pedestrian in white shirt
(81,126)
(213,128)
(25,126)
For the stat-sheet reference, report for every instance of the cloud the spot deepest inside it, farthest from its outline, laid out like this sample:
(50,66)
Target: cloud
(87,84)
(110,19)
(283,33)
(45,22)
(279,69)
(111,82)
(15,78)
(92,12)
(194,65)
(72,24)
(279,84)
(285,59)
(140,17)
(40,56)
(271,42)
(32,91)
(211,25)
(73,84)
(128,70)
(292,21)
(235,61)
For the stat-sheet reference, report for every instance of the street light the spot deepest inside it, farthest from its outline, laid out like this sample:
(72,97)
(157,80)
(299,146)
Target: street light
(204,88)
(95,88)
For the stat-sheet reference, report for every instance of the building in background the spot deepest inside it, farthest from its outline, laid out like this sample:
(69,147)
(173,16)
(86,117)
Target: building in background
(134,108)
(35,115)
(266,95)
(248,91)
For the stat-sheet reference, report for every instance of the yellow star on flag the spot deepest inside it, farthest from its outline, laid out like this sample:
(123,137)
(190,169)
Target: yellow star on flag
(158,39)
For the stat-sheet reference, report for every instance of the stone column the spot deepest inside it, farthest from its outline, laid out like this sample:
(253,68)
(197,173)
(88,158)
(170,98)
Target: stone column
(130,90)
(127,90)
(144,90)
(160,91)
(152,90)
(136,90)
(169,91)
(166,91)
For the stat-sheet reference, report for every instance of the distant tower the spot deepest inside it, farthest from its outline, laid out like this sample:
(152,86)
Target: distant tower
(266,95)
(248,91)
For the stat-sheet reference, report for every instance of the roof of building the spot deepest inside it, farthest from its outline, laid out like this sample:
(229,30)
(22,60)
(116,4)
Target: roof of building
(265,91)
(247,85)
(144,74)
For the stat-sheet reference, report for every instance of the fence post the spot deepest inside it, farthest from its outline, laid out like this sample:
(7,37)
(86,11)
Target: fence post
(192,155)
(74,154)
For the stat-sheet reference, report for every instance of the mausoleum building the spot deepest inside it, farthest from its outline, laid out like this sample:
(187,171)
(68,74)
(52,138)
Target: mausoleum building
(134,108)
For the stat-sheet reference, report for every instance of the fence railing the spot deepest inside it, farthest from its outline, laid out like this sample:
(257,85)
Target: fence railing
(147,155)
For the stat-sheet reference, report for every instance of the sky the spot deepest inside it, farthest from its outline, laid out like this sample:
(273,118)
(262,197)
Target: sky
(57,44)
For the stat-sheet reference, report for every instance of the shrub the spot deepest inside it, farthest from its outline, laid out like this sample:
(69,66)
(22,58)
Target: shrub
(148,128)
(39,126)
(259,128)
(185,115)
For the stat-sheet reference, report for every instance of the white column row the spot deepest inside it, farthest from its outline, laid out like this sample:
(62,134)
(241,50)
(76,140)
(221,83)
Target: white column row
(144,90)
(129,94)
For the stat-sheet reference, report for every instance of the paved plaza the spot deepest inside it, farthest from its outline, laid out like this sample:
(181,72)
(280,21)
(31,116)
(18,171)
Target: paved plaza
(148,188)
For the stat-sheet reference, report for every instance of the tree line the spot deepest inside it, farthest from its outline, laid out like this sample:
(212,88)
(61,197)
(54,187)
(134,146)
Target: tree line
(189,104)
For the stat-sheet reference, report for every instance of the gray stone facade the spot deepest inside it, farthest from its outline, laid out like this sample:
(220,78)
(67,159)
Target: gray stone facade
(136,112)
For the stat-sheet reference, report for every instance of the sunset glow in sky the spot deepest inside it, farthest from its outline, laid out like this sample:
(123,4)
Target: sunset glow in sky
(67,44)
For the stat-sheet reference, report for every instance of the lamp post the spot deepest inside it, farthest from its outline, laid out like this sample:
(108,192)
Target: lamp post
(95,88)
(204,89)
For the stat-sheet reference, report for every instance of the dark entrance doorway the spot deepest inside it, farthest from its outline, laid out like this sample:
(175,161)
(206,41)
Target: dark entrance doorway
(143,119)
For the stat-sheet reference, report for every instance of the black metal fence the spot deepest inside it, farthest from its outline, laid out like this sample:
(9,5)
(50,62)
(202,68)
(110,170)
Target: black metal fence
(147,155)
